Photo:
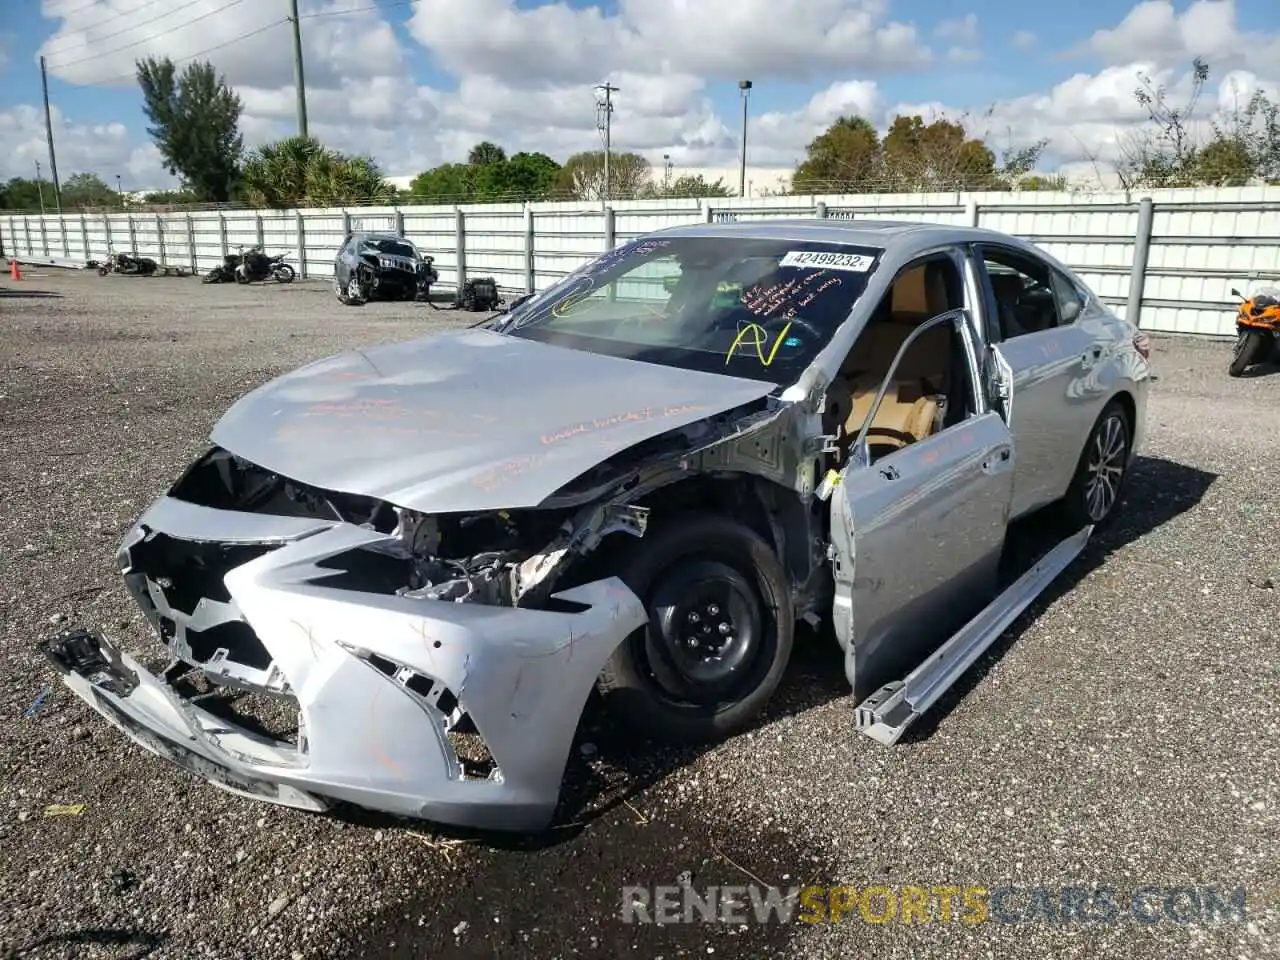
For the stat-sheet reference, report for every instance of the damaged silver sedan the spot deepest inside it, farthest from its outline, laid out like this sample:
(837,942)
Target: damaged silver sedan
(641,481)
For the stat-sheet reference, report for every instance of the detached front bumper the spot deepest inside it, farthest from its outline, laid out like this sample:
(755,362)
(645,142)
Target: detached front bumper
(380,681)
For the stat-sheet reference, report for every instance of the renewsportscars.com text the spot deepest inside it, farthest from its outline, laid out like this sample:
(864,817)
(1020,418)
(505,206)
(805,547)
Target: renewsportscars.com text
(914,904)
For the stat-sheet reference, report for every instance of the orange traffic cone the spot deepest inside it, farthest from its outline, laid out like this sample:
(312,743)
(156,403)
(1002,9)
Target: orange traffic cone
(14,272)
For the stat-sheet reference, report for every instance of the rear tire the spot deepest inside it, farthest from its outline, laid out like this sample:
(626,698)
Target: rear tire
(719,636)
(1101,471)
(1250,346)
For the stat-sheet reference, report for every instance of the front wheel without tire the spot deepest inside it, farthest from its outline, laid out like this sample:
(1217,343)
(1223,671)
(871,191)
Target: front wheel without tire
(1250,345)
(719,635)
(1100,473)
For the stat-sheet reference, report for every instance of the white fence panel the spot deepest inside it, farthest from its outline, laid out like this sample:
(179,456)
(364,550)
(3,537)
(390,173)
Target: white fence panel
(1202,242)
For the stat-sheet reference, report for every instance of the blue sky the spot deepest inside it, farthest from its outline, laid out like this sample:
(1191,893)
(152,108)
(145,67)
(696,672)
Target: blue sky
(687,105)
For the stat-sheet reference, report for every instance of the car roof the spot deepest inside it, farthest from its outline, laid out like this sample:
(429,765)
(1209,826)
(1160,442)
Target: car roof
(380,235)
(900,238)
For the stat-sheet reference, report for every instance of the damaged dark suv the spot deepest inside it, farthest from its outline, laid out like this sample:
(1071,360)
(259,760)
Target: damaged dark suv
(380,266)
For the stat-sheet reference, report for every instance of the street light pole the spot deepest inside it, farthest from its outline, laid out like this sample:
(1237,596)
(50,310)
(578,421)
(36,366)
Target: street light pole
(745,87)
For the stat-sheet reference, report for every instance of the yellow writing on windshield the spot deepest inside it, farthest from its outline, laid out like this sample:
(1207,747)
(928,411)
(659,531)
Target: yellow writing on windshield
(759,338)
(570,304)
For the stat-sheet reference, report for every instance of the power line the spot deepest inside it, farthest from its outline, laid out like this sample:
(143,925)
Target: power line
(201,53)
(153,36)
(121,16)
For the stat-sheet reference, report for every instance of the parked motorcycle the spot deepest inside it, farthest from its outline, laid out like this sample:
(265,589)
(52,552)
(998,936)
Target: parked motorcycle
(255,266)
(1257,329)
(225,272)
(127,263)
(427,275)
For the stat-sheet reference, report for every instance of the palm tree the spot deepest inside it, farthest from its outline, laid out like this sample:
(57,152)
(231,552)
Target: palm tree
(301,171)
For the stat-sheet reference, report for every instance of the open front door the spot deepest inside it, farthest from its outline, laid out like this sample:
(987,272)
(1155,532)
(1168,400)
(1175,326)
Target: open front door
(917,533)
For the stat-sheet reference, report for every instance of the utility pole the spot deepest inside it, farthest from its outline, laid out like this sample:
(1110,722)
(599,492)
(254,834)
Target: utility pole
(745,87)
(40,187)
(48,130)
(298,79)
(604,122)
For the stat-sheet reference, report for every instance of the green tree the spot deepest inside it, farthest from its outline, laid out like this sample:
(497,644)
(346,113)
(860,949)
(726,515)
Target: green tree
(844,159)
(21,194)
(582,175)
(170,197)
(1041,182)
(1245,145)
(195,120)
(486,154)
(488,175)
(453,182)
(687,186)
(87,190)
(1224,162)
(301,171)
(919,156)
(529,176)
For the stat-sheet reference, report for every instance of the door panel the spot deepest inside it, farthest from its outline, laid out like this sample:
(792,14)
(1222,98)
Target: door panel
(917,538)
(1049,357)
(1046,367)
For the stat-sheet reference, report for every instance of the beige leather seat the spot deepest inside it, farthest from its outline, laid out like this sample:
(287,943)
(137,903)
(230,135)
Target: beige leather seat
(915,297)
(911,406)
(904,416)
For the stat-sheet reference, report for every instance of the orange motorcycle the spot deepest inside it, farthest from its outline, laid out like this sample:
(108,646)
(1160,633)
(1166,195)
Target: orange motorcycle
(1257,329)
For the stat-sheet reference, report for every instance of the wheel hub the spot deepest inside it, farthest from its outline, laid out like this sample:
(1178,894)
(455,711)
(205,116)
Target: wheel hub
(1105,467)
(708,630)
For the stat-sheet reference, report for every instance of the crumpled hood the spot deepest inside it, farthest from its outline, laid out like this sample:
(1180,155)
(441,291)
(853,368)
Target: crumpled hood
(465,420)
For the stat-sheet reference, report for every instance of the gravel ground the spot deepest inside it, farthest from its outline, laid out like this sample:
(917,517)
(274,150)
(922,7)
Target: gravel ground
(1124,732)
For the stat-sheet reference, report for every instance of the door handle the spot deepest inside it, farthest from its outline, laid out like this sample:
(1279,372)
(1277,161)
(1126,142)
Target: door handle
(999,460)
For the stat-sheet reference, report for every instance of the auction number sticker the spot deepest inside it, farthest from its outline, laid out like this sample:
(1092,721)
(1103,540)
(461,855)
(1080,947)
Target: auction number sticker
(855,262)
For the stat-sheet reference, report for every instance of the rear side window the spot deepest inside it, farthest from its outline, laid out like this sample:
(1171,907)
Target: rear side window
(1024,291)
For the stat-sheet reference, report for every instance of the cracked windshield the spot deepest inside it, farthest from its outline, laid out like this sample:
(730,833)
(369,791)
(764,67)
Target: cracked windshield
(754,308)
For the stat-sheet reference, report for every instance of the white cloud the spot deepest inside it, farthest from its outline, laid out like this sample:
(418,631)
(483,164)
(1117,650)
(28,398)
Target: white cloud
(963,30)
(105,148)
(525,75)
(1207,28)
(750,38)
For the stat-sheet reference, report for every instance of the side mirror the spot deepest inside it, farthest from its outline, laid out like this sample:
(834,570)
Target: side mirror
(518,301)
(1070,310)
